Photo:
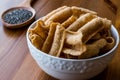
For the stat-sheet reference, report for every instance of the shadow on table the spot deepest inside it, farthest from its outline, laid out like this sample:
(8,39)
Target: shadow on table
(101,76)
(14,33)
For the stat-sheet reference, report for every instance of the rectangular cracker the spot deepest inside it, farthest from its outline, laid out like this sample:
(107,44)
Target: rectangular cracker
(96,36)
(60,16)
(90,29)
(53,12)
(82,20)
(93,49)
(69,21)
(80,10)
(49,40)
(72,52)
(39,29)
(73,38)
(36,40)
(58,41)
(110,44)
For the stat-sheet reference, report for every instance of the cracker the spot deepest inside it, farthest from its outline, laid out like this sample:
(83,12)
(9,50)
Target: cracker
(110,44)
(96,36)
(49,40)
(39,29)
(73,38)
(105,32)
(90,29)
(106,23)
(69,21)
(77,50)
(93,49)
(53,12)
(60,16)
(71,52)
(74,52)
(72,32)
(36,40)
(79,10)
(58,41)
(82,20)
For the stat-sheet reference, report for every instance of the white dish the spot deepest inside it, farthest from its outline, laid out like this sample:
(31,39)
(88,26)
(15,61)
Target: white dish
(72,69)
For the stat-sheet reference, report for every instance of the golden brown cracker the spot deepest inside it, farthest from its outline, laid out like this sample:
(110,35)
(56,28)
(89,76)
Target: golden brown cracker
(49,40)
(71,52)
(110,44)
(69,21)
(60,16)
(73,38)
(106,23)
(96,36)
(53,12)
(90,29)
(39,29)
(77,50)
(72,32)
(37,41)
(93,49)
(58,41)
(82,20)
(79,10)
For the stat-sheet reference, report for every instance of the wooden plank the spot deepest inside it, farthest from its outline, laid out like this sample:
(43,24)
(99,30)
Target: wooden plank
(16,62)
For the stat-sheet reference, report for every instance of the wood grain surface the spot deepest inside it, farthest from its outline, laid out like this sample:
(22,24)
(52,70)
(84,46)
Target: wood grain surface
(16,62)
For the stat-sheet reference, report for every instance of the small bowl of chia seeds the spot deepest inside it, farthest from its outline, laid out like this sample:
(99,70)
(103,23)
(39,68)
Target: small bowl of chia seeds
(18,17)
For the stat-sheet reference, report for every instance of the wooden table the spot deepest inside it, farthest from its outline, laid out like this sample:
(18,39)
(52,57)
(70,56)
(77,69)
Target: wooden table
(16,62)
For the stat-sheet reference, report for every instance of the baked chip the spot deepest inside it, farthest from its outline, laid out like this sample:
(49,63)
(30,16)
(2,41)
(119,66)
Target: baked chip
(82,20)
(73,38)
(60,16)
(76,50)
(110,44)
(78,11)
(71,52)
(96,36)
(106,23)
(93,49)
(90,29)
(72,32)
(36,40)
(58,41)
(69,21)
(53,12)
(49,40)
(39,29)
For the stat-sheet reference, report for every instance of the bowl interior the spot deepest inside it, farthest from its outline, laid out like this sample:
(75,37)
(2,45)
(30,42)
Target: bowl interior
(114,34)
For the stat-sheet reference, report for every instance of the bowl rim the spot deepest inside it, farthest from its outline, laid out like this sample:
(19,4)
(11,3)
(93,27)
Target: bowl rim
(88,59)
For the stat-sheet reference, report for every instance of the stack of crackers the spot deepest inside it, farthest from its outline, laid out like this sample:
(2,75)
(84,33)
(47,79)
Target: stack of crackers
(72,32)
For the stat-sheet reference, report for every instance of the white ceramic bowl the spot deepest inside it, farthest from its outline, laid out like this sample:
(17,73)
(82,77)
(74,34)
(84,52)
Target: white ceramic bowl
(72,69)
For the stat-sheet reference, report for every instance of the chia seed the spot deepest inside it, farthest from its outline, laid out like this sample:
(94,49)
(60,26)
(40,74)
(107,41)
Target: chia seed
(17,16)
